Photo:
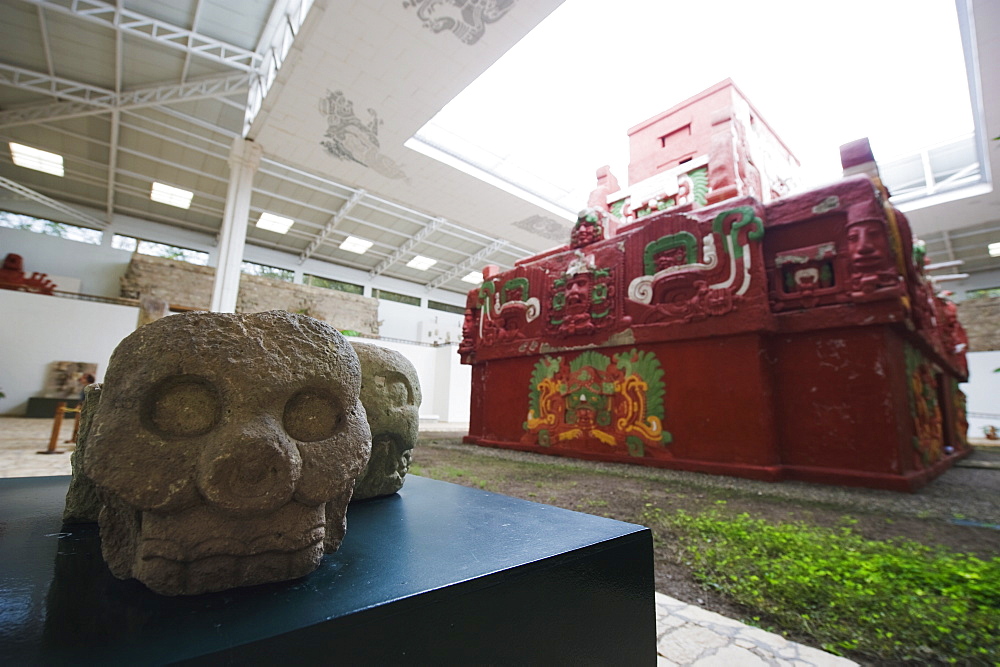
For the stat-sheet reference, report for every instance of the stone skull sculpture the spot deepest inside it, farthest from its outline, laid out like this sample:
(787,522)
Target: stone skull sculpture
(390,392)
(225,450)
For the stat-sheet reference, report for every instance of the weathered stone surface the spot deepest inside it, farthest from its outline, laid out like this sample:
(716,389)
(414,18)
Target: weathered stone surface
(981,319)
(82,504)
(225,449)
(191,285)
(390,392)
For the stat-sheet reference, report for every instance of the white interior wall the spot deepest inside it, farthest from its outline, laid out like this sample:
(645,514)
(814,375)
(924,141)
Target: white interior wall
(983,391)
(446,385)
(36,330)
(418,323)
(98,268)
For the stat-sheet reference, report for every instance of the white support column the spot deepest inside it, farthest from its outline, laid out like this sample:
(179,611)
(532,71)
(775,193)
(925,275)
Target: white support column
(244,158)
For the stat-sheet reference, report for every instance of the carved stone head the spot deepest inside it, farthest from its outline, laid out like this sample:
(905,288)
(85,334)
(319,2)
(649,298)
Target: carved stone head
(390,392)
(589,228)
(868,247)
(225,450)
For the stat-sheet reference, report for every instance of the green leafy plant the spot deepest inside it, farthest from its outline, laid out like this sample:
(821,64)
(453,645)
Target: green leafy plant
(893,601)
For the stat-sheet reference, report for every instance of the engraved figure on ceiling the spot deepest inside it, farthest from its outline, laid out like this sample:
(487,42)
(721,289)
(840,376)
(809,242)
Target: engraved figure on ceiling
(466,19)
(351,139)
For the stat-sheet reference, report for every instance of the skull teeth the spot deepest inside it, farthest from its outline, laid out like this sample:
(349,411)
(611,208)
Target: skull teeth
(221,572)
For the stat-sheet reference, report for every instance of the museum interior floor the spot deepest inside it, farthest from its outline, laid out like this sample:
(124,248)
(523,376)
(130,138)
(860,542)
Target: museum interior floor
(686,634)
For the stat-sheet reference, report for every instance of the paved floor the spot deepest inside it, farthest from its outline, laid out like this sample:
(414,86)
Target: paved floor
(685,634)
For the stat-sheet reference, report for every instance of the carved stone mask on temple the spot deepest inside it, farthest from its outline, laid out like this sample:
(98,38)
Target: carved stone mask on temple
(868,247)
(390,392)
(225,450)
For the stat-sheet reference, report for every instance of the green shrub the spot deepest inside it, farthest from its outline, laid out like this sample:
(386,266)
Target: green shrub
(895,601)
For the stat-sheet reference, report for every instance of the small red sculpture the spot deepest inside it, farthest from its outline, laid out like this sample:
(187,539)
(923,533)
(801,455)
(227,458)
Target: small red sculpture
(12,277)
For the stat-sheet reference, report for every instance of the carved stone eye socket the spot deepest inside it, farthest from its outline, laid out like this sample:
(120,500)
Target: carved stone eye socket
(394,389)
(312,415)
(182,406)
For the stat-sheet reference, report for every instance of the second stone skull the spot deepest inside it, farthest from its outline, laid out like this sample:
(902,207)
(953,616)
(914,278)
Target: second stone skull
(225,450)
(390,392)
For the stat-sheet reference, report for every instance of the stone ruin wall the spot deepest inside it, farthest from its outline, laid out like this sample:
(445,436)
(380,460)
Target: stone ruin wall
(183,284)
(981,319)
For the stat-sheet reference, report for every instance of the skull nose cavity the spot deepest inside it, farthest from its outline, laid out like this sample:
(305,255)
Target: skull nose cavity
(255,475)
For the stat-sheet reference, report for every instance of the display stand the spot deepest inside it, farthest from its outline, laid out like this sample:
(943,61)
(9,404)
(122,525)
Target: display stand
(438,573)
(41,407)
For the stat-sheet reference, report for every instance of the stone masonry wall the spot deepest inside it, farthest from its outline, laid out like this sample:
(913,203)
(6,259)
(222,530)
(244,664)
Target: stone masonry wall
(981,319)
(184,284)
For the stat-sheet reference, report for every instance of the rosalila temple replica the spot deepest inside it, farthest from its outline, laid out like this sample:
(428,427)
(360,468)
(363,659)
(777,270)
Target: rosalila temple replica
(704,319)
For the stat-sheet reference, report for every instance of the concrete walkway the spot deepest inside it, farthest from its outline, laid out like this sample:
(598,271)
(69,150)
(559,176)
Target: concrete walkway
(685,634)
(690,635)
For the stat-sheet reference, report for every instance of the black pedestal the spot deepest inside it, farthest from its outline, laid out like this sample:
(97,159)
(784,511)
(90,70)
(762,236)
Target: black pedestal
(40,406)
(438,574)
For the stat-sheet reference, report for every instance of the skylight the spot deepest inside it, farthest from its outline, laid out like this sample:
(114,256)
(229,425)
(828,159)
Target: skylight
(171,196)
(421,263)
(544,134)
(994,249)
(474,277)
(274,223)
(354,244)
(39,160)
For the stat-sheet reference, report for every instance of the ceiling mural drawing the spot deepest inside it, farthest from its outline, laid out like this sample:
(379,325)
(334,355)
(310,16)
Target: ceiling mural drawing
(466,19)
(547,228)
(351,139)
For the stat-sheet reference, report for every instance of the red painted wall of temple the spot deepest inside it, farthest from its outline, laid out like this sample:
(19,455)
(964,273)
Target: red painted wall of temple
(794,339)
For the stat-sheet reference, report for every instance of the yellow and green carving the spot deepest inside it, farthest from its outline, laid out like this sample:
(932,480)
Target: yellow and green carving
(928,427)
(699,186)
(614,401)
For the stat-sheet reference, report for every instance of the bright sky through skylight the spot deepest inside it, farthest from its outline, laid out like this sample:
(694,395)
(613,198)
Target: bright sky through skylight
(559,104)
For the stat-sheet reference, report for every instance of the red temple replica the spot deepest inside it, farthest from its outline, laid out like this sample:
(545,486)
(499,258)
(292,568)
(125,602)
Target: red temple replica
(791,339)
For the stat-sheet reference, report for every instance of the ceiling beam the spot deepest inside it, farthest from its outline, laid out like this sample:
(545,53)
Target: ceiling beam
(112,165)
(134,23)
(947,245)
(332,225)
(194,26)
(34,195)
(56,86)
(108,100)
(404,249)
(43,29)
(115,130)
(198,122)
(282,28)
(466,265)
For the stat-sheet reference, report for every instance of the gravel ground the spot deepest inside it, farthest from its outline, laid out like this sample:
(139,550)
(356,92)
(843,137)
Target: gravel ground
(970,492)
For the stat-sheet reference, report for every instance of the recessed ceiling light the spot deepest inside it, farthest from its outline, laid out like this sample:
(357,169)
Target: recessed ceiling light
(474,277)
(274,223)
(32,158)
(421,263)
(994,249)
(167,194)
(354,244)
